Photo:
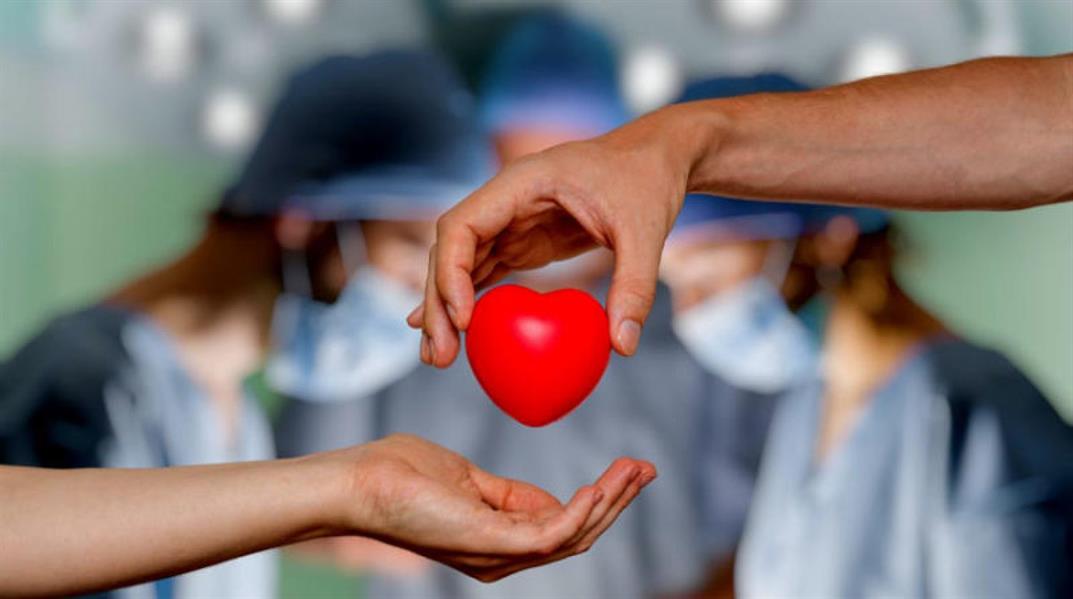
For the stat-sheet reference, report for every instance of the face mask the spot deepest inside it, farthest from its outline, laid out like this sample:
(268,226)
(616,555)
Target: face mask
(346,350)
(748,337)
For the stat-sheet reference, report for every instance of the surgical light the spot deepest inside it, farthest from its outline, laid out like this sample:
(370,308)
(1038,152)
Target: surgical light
(230,119)
(874,56)
(167,45)
(651,77)
(292,12)
(750,16)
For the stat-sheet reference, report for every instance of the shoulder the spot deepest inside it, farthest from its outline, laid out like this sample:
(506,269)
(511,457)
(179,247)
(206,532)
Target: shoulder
(971,371)
(1007,472)
(972,378)
(52,388)
(996,413)
(71,351)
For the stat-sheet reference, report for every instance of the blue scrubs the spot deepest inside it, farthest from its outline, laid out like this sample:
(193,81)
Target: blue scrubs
(105,388)
(956,481)
(659,405)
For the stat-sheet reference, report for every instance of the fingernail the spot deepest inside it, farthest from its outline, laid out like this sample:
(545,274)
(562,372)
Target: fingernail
(424,348)
(629,334)
(647,478)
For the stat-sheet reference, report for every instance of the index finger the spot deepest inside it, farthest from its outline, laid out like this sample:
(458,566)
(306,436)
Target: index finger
(477,219)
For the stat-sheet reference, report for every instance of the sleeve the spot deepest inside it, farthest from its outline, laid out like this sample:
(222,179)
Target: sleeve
(735,425)
(52,410)
(1003,513)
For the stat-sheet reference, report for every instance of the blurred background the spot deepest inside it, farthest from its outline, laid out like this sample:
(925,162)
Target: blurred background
(121,121)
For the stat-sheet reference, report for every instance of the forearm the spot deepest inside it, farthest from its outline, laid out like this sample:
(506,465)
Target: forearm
(987,134)
(68,531)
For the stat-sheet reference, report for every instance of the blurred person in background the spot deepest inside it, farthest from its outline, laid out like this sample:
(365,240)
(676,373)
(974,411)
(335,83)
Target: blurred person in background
(908,462)
(723,269)
(965,136)
(409,149)
(911,443)
(154,374)
(552,80)
(915,463)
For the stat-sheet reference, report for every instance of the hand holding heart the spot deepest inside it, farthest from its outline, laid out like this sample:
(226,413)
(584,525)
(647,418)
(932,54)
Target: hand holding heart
(538,356)
(619,191)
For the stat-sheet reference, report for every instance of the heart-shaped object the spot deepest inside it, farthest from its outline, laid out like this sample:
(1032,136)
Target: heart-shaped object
(538,356)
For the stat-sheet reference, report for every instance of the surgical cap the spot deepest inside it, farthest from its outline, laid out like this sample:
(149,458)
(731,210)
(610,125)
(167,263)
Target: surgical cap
(552,71)
(708,216)
(392,135)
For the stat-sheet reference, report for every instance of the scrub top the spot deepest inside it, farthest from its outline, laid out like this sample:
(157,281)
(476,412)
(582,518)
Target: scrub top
(955,481)
(103,387)
(653,406)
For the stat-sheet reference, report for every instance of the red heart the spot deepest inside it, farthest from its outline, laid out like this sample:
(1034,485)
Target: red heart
(538,356)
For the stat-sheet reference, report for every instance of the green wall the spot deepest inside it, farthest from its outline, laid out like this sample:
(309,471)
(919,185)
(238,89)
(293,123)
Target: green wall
(72,229)
(1002,279)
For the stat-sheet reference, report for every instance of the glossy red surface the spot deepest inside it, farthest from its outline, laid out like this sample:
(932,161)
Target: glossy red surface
(538,356)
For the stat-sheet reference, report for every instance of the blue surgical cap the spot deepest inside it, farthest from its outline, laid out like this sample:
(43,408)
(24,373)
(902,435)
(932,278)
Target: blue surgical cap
(552,71)
(392,135)
(718,217)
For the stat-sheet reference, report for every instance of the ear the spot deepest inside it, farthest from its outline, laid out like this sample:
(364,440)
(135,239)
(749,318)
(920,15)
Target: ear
(294,230)
(836,242)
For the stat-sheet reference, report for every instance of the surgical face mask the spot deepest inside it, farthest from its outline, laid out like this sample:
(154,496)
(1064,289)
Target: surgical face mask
(345,350)
(748,337)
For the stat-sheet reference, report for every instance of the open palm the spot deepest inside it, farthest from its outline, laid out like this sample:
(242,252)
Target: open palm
(434,502)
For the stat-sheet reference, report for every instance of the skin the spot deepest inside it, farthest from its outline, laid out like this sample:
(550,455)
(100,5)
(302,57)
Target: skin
(872,328)
(696,271)
(398,249)
(515,143)
(64,532)
(133,525)
(218,313)
(992,134)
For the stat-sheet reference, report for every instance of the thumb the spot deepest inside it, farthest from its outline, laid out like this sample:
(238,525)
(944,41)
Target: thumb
(633,286)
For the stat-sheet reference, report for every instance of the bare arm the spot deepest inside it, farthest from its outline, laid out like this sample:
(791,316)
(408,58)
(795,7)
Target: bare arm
(67,531)
(74,531)
(988,134)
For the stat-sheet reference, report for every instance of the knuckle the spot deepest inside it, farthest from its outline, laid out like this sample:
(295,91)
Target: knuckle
(403,438)
(445,223)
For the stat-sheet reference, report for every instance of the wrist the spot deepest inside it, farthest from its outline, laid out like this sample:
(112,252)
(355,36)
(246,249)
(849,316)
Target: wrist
(694,133)
(323,491)
(345,496)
